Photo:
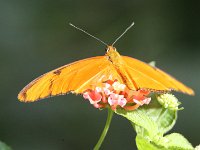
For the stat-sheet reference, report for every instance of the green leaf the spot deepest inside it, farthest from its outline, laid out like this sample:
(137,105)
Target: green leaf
(3,146)
(173,141)
(151,120)
(164,118)
(178,142)
(143,144)
(139,118)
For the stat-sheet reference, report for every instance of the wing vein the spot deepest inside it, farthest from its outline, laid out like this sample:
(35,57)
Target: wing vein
(87,81)
(75,72)
(147,76)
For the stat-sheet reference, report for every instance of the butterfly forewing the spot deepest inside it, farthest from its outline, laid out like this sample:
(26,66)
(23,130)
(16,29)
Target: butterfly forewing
(153,78)
(76,77)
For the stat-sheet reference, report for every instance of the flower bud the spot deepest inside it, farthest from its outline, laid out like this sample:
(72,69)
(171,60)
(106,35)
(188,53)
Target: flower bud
(197,147)
(169,101)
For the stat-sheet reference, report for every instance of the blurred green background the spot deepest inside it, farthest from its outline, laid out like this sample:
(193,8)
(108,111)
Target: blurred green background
(35,38)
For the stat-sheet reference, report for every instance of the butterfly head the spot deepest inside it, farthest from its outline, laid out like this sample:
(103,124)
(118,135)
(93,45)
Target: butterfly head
(112,53)
(110,49)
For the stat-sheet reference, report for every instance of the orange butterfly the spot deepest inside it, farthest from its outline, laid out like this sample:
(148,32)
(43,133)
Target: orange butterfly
(84,74)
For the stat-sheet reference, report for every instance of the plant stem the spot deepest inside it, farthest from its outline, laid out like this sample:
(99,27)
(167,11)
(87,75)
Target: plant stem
(105,130)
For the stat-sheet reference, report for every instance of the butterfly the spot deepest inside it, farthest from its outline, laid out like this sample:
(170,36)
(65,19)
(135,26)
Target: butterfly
(89,73)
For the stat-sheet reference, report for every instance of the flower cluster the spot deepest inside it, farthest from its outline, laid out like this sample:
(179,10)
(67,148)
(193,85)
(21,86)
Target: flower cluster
(115,94)
(169,101)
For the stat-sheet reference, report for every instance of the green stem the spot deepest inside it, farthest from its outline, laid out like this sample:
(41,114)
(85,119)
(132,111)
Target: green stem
(105,130)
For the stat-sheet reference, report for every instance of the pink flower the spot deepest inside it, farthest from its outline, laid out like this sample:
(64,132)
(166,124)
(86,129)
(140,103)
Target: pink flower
(107,91)
(142,102)
(114,94)
(141,94)
(147,100)
(115,99)
(93,96)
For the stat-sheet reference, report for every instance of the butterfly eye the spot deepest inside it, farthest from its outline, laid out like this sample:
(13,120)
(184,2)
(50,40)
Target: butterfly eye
(107,49)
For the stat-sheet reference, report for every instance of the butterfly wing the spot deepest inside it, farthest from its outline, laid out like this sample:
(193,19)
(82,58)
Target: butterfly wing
(75,77)
(153,78)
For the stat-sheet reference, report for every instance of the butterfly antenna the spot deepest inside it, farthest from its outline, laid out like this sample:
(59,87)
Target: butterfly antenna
(88,34)
(123,33)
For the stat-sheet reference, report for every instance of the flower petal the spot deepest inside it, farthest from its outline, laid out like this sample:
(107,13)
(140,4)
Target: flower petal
(92,96)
